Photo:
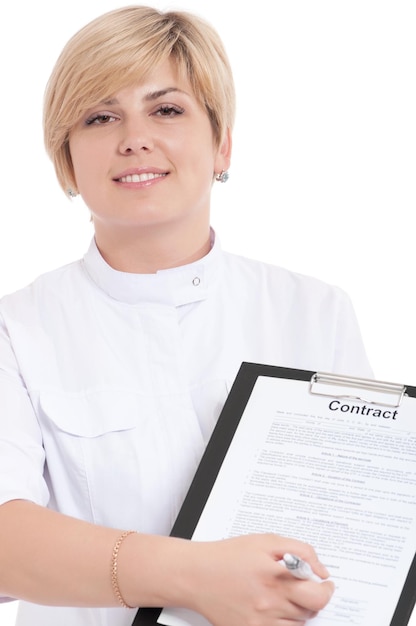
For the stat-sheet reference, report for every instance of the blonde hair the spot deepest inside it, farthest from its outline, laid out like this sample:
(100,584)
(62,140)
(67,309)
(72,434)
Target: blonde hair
(118,49)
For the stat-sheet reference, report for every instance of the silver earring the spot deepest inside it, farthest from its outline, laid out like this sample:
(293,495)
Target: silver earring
(222,177)
(71,193)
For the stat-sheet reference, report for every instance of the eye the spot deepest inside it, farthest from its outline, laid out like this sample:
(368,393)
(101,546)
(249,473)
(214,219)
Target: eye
(100,119)
(168,110)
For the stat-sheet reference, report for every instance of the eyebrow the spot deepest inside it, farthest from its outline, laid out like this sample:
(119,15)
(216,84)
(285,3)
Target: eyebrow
(154,95)
(149,97)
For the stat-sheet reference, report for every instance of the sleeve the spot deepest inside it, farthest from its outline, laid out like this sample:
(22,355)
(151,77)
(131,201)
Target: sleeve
(350,357)
(22,456)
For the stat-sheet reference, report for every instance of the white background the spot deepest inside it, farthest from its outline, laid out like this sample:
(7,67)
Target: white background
(323,172)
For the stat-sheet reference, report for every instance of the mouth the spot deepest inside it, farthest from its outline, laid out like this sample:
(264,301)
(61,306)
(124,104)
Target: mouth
(139,178)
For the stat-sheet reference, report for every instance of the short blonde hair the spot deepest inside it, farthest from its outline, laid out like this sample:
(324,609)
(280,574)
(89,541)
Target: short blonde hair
(120,48)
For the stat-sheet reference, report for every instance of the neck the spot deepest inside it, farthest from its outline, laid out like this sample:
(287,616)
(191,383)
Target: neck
(150,250)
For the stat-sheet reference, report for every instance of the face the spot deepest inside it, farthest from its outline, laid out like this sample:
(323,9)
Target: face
(146,157)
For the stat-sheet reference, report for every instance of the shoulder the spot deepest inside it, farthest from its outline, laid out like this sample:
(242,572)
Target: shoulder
(278,281)
(52,285)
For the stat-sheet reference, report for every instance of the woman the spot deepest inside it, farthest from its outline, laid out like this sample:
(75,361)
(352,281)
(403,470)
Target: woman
(113,369)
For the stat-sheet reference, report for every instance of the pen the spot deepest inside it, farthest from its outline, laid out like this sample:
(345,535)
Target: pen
(299,568)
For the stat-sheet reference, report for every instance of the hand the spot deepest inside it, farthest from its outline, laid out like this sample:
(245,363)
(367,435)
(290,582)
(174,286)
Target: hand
(239,582)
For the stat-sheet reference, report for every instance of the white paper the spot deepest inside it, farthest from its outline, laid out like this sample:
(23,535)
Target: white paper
(340,475)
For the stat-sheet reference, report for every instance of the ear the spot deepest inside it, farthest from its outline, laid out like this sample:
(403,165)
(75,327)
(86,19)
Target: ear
(223,157)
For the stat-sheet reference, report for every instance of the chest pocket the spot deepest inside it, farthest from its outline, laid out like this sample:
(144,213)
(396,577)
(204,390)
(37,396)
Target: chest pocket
(96,448)
(91,415)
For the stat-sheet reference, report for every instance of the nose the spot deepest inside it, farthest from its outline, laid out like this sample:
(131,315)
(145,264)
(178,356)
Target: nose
(135,137)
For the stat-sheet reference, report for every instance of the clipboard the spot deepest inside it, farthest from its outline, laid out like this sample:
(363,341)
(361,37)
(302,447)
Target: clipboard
(370,399)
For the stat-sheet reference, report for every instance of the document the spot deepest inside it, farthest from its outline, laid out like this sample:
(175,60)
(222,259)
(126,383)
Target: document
(335,470)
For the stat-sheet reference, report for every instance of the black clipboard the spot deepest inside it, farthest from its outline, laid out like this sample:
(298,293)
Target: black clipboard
(223,434)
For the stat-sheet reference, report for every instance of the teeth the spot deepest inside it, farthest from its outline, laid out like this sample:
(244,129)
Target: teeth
(139,178)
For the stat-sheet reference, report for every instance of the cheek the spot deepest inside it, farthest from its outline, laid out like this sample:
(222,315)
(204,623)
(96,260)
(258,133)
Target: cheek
(78,157)
(87,161)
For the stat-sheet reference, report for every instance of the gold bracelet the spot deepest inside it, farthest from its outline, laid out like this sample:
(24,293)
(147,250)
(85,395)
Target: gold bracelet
(114,565)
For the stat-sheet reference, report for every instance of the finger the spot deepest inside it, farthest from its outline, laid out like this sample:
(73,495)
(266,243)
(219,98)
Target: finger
(302,550)
(310,595)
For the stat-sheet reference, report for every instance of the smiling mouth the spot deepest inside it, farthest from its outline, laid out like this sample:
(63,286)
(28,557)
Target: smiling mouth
(139,178)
